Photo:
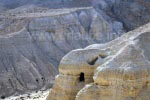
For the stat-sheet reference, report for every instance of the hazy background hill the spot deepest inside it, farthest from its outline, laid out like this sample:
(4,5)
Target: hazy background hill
(45,3)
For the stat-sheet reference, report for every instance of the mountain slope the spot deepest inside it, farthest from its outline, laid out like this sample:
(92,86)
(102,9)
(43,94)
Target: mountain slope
(34,38)
(32,46)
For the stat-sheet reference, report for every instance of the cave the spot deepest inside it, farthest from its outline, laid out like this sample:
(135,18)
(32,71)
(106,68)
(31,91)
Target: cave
(81,79)
(37,80)
(2,97)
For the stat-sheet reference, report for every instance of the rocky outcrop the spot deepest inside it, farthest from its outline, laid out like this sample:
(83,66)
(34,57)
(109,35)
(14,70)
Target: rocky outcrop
(34,39)
(126,75)
(31,46)
(76,70)
(118,70)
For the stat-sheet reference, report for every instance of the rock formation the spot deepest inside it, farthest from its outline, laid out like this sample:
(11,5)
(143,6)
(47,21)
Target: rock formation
(33,39)
(122,70)
(76,69)
(35,45)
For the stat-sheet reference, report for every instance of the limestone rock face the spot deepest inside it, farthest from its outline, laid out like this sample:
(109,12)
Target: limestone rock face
(34,38)
(118,70)
(126,75)
(76,69)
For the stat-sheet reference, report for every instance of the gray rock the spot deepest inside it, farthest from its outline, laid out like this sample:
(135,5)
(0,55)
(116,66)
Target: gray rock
(31,48)
(33,42)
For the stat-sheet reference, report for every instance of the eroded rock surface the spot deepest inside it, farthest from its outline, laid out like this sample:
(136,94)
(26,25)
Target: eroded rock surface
(126,75)
(118,70)
(33,39)
(76,70)
(31,47)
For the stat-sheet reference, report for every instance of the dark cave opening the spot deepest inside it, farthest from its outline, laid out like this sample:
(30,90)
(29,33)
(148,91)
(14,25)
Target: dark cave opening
(81,79)
(37,80)
(2,97)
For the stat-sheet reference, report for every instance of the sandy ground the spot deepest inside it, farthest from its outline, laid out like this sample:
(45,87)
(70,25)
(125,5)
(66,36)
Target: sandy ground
(40,95)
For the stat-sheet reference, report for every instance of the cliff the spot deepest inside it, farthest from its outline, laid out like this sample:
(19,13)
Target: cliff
(32,44)
(118,70)
(34,38)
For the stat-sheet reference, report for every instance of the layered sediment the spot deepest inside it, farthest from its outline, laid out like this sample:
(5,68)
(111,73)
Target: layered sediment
(35,45)
(119,70)
(34,38)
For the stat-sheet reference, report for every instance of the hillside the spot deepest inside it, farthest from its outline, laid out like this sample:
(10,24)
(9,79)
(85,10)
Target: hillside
(35,35)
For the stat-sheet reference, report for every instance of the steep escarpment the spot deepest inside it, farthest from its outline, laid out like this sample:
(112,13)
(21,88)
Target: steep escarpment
(118,70)
(33,39)
(31,46)
(132,13)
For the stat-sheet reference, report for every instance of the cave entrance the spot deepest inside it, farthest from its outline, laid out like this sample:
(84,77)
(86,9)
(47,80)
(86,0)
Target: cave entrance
(81,79)
(2,97)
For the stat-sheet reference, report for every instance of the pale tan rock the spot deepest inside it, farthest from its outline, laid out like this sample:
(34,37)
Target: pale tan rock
(73,67)
(122,70)
(126,76)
